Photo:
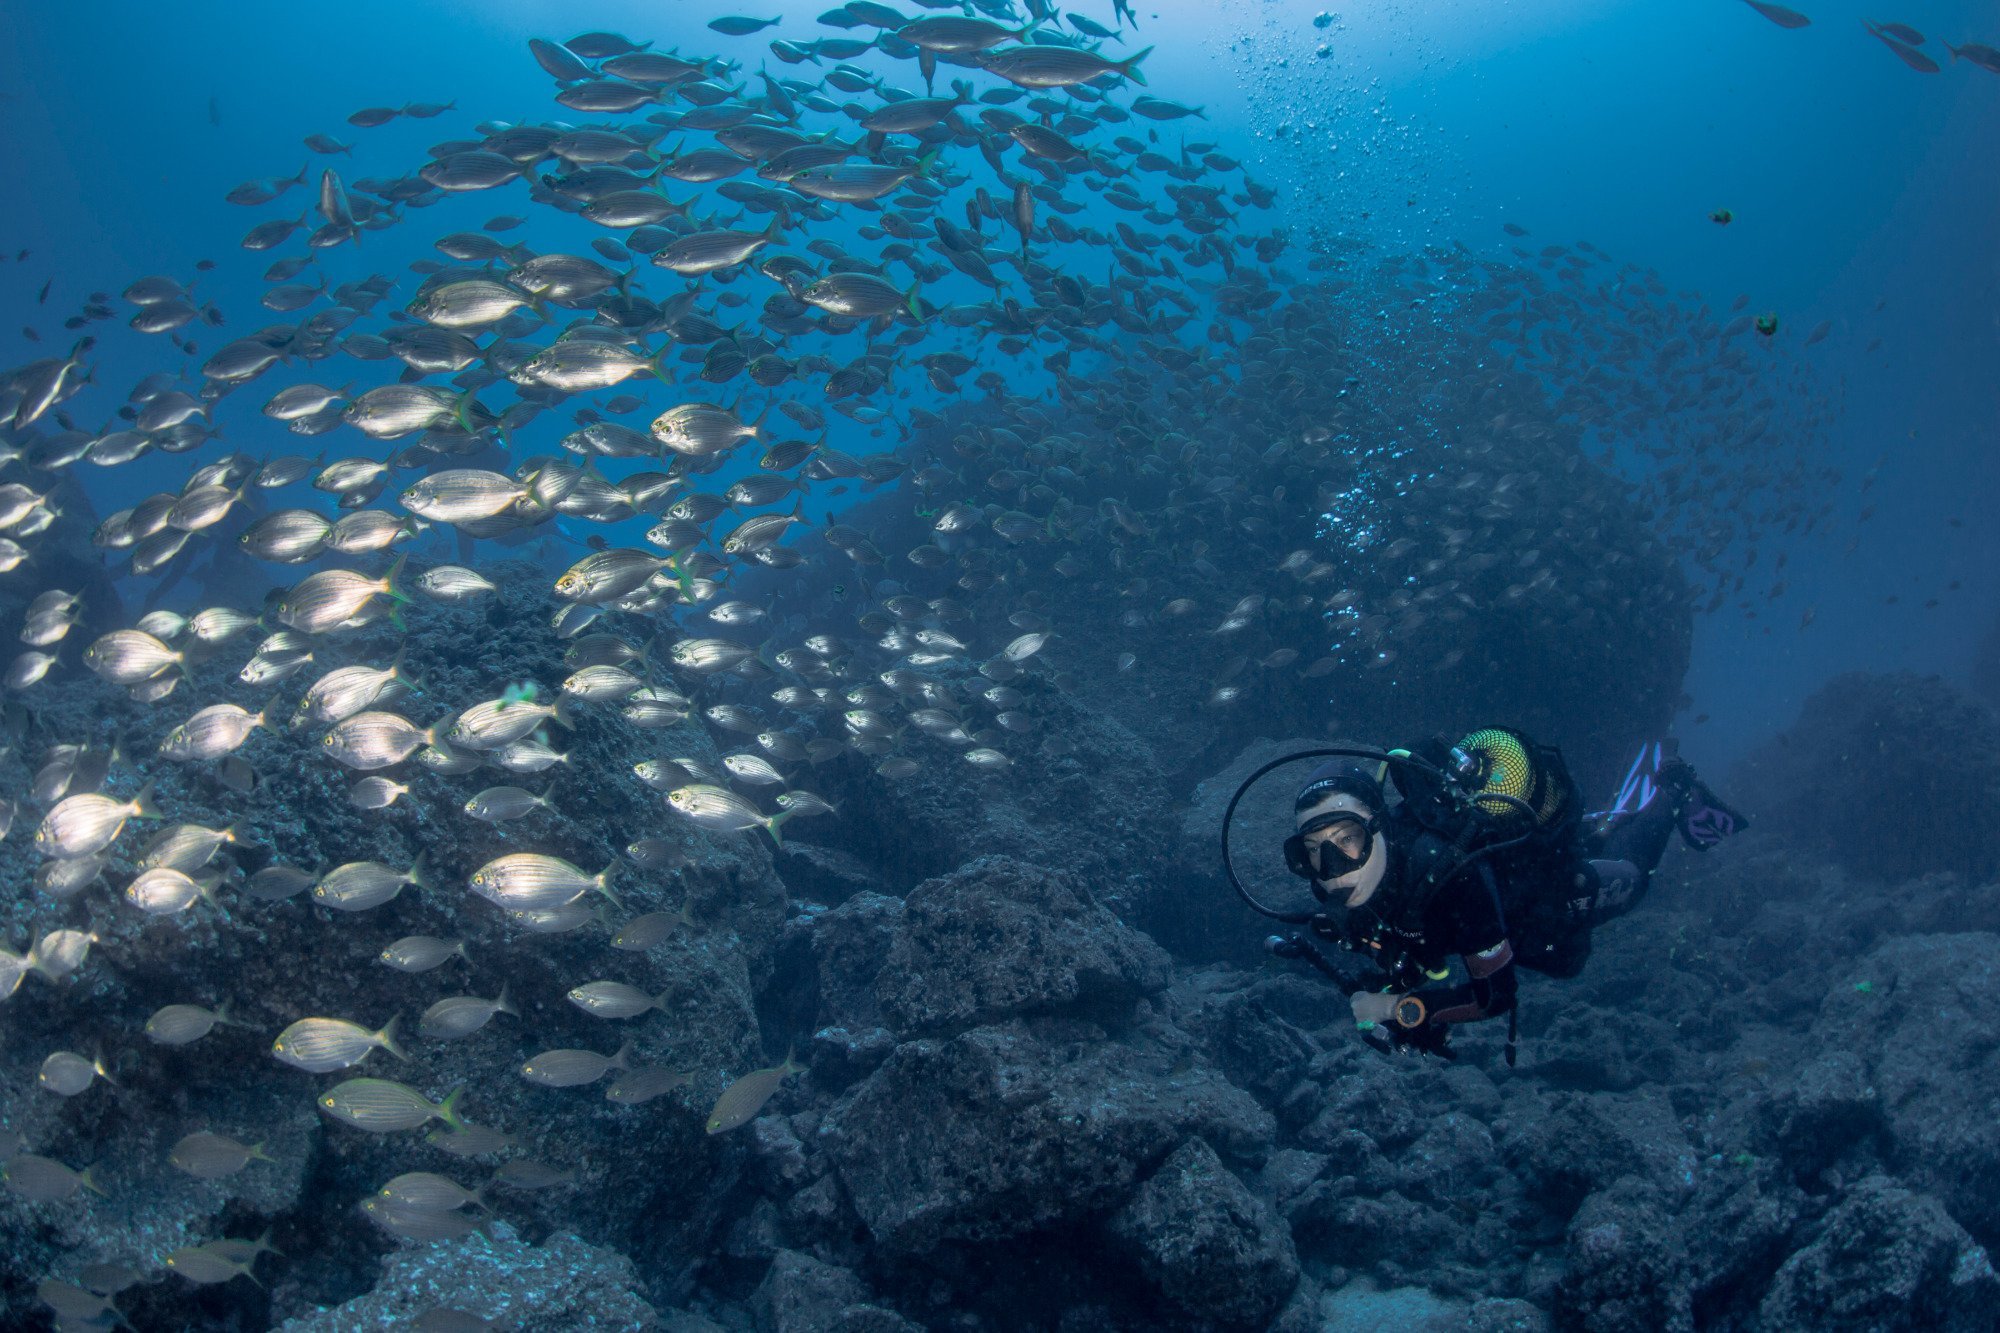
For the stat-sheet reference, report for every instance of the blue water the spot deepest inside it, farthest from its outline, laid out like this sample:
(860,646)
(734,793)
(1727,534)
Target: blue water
(1863,194)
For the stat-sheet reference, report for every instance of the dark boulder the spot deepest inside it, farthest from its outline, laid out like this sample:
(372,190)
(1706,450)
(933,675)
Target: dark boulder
(1829,1109)
(1002,1131)
(1087,796)
(999,938)
(1208,1246)
(848,947)
(1624,1267)
(563,1283)
(801,1294)
(1582,1145)
(1885,1259)
(1908,756)
(1922,1011)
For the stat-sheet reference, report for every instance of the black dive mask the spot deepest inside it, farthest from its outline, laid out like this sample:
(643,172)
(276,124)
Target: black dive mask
(1329,860)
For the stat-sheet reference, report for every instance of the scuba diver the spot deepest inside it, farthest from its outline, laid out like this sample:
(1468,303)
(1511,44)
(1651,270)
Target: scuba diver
(1482,852)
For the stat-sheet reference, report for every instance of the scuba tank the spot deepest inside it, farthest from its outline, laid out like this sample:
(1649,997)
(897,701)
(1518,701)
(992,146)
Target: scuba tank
(1495,800)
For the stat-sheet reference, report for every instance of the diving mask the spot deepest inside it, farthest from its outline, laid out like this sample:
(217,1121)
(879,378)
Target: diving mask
(1349,838)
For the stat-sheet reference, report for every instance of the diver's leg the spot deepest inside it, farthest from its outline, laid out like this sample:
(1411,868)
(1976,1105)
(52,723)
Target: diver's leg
(1620,886)
(1623,856)
(1702,817)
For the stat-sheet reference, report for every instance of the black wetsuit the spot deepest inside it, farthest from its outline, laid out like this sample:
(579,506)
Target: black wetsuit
(1495,916)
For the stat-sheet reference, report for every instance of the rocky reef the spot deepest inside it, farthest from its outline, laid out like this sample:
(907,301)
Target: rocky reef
(1049,1080)
(1907,756)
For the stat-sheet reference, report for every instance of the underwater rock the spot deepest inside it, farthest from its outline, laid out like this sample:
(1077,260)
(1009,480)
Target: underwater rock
(1005,1130)
(557,1286)
(1920,1011)
(1000,939)
(801,1294)
(1885,1259)
(1208,1246)
(1363,1306)
(1741,1225)
(1625,1270)
(1056,805)
(1581,1144)
(1202,919)
(1910,751)
(822,874)
(846,948)
(1829,1109)
(1257,1029)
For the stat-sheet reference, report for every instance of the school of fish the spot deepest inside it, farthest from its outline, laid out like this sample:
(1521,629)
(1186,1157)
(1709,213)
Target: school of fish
(1141,410)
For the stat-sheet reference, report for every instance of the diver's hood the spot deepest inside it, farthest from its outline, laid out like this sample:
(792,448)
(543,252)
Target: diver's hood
(1361,883)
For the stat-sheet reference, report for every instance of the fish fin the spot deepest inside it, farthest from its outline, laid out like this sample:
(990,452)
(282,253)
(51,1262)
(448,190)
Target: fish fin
(447,1110)
(89,1178)
(623,1058)
(1130,67)
(502,1006)
(142,804)
(389,588)
(397,670)
(386,1039)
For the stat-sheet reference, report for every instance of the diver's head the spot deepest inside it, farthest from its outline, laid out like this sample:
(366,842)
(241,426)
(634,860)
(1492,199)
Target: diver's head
(1336,819)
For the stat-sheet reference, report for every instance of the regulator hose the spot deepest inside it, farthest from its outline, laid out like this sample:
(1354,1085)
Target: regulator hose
(1393,759)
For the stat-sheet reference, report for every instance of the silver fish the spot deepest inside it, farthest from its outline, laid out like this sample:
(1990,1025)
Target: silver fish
(462,1015)
(570,1068)
(360,885)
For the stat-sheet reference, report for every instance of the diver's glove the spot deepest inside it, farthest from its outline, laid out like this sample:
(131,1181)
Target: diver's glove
(1374,1006)
(1390,1022)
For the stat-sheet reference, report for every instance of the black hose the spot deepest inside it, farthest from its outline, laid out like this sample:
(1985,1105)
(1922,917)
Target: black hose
(1393,760)
(1336,751)
(1298,946)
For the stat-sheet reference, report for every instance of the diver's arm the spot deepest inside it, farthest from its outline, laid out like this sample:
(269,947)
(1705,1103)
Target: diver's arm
(1489,994)
(1479,936)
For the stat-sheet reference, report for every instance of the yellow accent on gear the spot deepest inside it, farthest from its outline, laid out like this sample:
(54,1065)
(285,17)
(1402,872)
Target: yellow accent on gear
(1510,773)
